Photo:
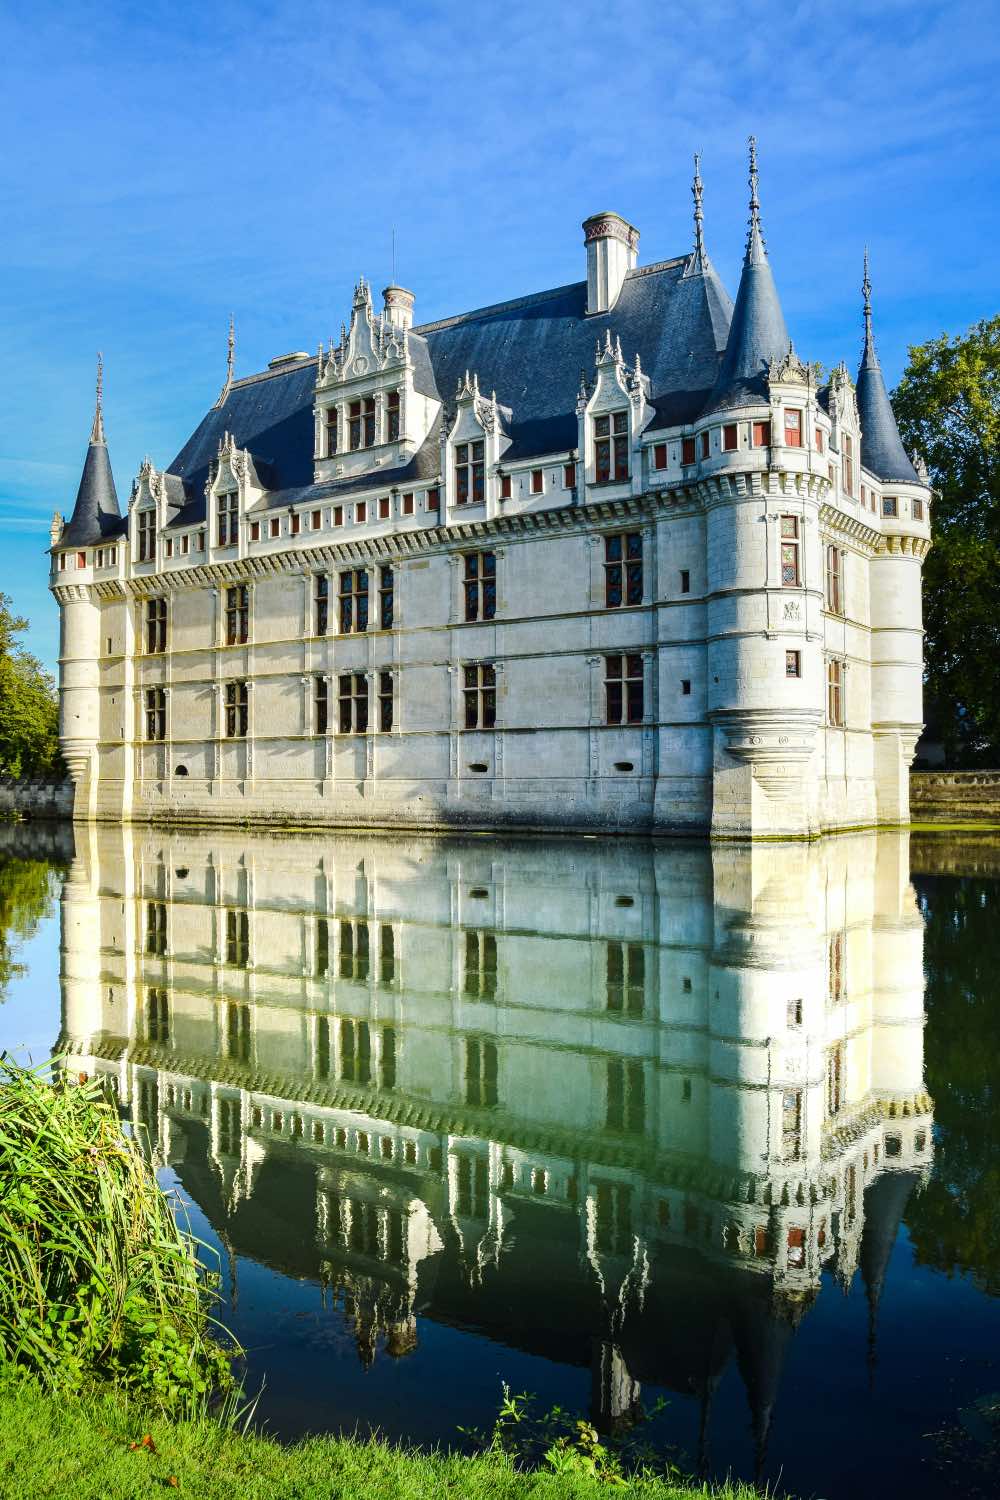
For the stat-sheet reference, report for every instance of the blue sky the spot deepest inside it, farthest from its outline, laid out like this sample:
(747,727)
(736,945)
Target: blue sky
(166,164)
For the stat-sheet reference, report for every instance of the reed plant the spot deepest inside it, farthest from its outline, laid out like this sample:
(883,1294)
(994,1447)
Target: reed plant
(98,1281)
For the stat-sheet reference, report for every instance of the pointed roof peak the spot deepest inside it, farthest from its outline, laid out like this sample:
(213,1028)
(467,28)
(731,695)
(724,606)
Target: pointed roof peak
(700,256)
(230,362)
(869,354)
(97,426)
(756,250)
(882,451)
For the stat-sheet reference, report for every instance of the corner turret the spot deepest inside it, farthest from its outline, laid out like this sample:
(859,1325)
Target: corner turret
(96,514)
(882,451)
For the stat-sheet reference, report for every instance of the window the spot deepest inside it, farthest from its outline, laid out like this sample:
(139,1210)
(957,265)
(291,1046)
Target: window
(227,512)
(835,988)
(361,423)
(408,504)
(626,1098)
(322,948)
(791,1125)
(687,451)
(480,964)
(479,688)
(480,585)
(890,506)
(793,1012)
(385,597)
(793,664)
(156,625)
(157,1016)
(237,614)
(469,474)
(472,1187)
(819,440)
(835,693)
(385,702)
(355,1039)
(793,429)
(917,509)
(238,1037)
(354,950)
(790,546)
(537,481)
(685,580)
(434,499)
(387,1061)
(170,546)
(201,541)
(331,431)
(835,1079)
(255,531)
(386,954)
(353,697)
(383,508)
(848,472)
(338,515)
(238,938)
(321,605)
(185,543)
(834,578)
(626,971)
(761,434)
(686,687)
(62,562)
(294,523)
(147,535)
(237,710)
(156,928)
(392,417)
(353,601)
(361,512)
(623,569)
(569,476)
(156,713)
(611,447)
(480,1073)
(705,444)
(505,486)
(274,527)
(660,456)
(730,438)
(623,689)
(321,700)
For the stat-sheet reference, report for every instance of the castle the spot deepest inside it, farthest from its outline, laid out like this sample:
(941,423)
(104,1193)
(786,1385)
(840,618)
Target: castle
(607,557)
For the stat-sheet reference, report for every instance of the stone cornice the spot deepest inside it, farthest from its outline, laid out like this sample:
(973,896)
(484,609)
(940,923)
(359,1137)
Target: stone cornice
(853,526)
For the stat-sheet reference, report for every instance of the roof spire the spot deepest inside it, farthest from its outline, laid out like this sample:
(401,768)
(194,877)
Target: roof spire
(97,427)
(869,354)
(882,449)
(230,362)
(755,240)
(699,216)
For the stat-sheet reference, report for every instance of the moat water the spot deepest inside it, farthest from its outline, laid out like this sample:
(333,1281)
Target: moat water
(702,1143)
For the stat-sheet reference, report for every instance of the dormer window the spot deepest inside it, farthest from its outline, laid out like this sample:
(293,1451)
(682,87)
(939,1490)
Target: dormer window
(392,417)
(611,446)
(470,473)
(361,423)
(228,515)
(331,431)
(147,535)
(848,464)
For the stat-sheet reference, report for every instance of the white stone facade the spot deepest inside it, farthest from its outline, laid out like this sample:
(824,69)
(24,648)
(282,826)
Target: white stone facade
(770,628)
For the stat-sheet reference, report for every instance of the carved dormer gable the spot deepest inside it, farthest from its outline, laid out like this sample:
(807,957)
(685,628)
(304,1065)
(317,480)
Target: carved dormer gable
(472,447)
(843,407)
(618,390)
(369,413)
(234,472)
(789,370)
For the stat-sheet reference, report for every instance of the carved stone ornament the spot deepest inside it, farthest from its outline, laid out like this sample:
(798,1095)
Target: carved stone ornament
(788,370)
(792,610)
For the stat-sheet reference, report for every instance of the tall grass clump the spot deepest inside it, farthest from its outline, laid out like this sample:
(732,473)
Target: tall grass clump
(97,1280)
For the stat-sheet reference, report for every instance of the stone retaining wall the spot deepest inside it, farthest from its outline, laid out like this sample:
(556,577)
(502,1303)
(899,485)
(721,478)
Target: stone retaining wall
(35,799)
(955,797)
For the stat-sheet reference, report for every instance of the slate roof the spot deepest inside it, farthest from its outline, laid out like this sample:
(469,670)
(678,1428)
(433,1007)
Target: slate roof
(530,351)
(757,334)
(96,516)
(882,451)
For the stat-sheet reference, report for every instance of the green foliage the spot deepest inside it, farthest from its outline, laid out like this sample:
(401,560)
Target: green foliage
(97,1281)
(26,893)
(103,1448)
(29,707)
(955,1222)
(947,406)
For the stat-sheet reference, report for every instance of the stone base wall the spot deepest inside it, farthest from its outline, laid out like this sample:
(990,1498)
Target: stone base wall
(35,799)
(955,797)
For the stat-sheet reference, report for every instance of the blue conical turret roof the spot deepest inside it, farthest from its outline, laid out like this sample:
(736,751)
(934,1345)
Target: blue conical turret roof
(882,451)
(96,514)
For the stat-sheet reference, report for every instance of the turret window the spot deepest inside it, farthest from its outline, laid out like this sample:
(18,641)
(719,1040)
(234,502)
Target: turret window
(353,703)
(237,614)
(361,423)
(156,714)
(470,470)
(623,689)
(353,601)
(730,438)
(237,710)
(331,431)
(791,544)
(706,442)
(761,432)
(228,506)
(480,585)
(687,450)
(917,509)
(146,532)
(611,447)
(890,506)
(156,625)
(793,429)
(623,569)
(392,417)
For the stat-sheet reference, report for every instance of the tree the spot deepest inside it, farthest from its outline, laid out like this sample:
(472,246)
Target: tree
(947,406)
(29,706)
(26,892)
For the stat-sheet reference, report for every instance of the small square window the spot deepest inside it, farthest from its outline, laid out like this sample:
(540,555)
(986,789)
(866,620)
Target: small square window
(170,546)
(705,444)
(361,512)
(434,499)
(730,438)
(338,515)
(274,527)
(383,508)
(762,434)
(504,486)
(687,451)
(793,664)
(686,687)
(917,509)
(569,476)
(81,559)
(685,581)
(890,506)
(296,524)
(408,505)
(537,481)
(660,456)
(317,520)
(819,440)
(795,1012)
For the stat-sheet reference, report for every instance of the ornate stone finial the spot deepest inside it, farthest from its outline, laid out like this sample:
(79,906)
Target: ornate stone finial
(56,528)
(97,426)
(699,216)
(869,354)
(755,239)
(230,362)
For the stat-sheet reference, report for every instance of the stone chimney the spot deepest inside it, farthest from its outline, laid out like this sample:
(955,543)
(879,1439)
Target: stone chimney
(398,306)
(612,250)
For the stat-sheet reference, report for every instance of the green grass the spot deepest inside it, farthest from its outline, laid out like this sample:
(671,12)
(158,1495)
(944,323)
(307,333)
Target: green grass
(82,1449)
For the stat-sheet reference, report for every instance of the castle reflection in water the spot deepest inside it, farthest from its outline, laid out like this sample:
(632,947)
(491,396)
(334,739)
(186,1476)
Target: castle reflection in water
(616,1104)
